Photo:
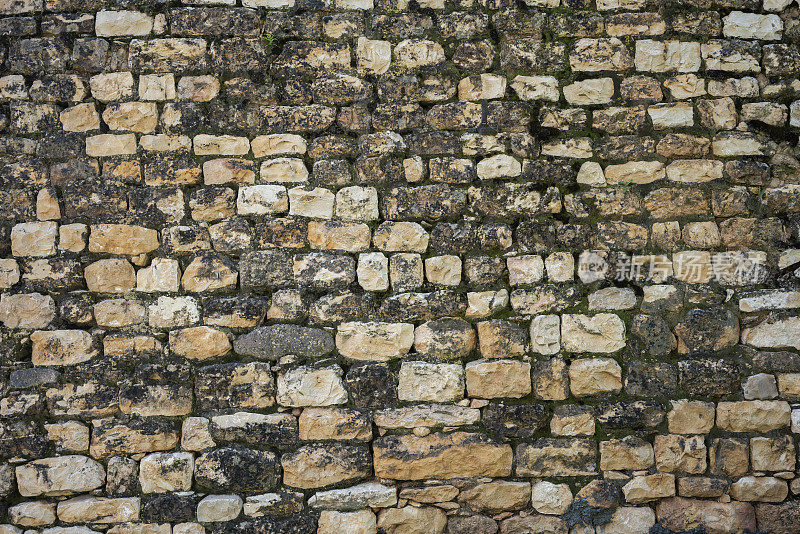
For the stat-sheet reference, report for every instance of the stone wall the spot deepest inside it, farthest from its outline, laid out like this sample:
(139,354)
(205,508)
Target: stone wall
(399,266)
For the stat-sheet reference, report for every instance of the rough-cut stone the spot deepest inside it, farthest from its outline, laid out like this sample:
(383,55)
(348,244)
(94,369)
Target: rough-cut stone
(368,494)
(594,376)
(753,416)
(431,382)
(498,378)
(199,342)
(603,332)
(276,341)
(62,475)
(459,454)
(26,310)
(679,514)
(412,520)
(316,466)
(62,347)
(307,386)
(374,341)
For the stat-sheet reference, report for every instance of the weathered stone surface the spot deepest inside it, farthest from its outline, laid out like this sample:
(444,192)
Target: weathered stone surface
(379,238)
(368,494)
(316,466)
(498,378)
(374,341)
(550,457)
(237,469)
(752,416)
(62,475)
(276,341)
(32,310)
(412,520)
(138,436)
(594,376)
(62,347)
(682,514)
(459,454)
(603,332)
(307,386)
(430,382)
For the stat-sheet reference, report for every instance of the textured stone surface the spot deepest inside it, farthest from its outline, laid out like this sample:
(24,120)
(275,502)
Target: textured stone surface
(367,266)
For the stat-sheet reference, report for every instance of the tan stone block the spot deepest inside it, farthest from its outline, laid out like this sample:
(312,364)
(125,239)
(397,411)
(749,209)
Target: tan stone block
(374,341)
(676,453)
(456,455)
(314,202)
(122,23)
(356,203)
(551,499)
(278,144)
(9,273)
(443,270)
(536,88)
(61,475)
(649,488)
(488,379)
(228,170)
(430,382)
(772,454)
(594,376)
(372,56)
(30,514)
(89,509)
(112,275)
(305,386)
(68,436)
(170,143)
(334,423)
(116,313)
(62,347)
(283,170)
(602,332)
(691,417)
(412,520)
(106,145)
(157,86)
(589,92)
(400,237)
(220,145)
(415,53)
(208,273)
(635,172)
(36,239)
(141,117)
(679,514)
(373,271)
(319,465)
(111,86)
(198,88)
(162,275)
(358,522)
(26,310)
(80,118)
(195,434)
(336,235)
(199,342)
(763,489)
(163,472)
(629,453)
(753,416)
(497,496)
(550,380)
